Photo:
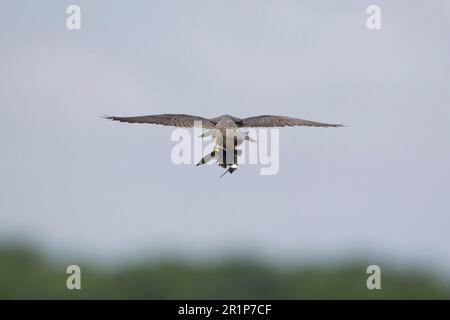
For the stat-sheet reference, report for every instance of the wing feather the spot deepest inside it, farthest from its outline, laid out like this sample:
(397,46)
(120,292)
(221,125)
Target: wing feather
(281,121)
(175,120)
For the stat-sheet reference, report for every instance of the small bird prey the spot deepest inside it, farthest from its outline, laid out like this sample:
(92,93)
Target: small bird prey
(225,130)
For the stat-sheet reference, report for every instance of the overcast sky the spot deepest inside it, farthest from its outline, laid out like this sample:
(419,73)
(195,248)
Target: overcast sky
(72,181)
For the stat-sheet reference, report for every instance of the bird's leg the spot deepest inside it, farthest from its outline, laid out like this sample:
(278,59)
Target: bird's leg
(235,151)
(216,144)
(216,149)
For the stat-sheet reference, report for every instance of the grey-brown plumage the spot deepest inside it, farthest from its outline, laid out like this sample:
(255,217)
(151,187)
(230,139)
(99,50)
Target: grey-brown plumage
(226,131)
(175,120)
(223,122)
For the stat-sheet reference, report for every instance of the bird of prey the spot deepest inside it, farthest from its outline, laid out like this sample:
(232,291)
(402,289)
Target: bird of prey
(226,131)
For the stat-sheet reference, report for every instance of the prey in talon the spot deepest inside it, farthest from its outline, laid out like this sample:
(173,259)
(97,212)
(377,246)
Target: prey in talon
(226,131)
(225,151)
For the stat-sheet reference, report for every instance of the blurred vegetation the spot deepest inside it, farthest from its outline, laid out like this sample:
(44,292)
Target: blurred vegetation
(24,274)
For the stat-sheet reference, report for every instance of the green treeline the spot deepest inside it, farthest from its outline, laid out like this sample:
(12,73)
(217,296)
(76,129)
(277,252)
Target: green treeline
(24,274)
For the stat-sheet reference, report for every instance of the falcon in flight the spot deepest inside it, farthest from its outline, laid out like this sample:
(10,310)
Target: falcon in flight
(226,131)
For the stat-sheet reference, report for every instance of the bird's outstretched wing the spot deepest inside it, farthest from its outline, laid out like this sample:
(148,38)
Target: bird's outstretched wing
(280,121)
(176,120)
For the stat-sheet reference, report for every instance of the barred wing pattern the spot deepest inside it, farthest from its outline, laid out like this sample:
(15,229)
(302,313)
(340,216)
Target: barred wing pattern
(175,120)
(280,121)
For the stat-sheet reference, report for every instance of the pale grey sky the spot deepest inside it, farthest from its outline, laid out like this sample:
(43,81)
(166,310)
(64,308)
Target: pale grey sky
(72,181)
